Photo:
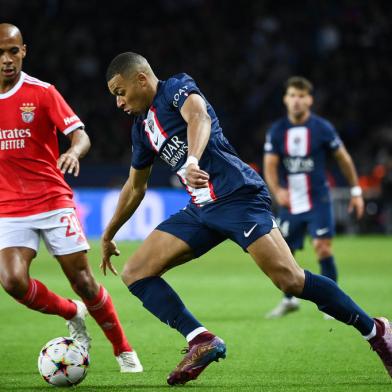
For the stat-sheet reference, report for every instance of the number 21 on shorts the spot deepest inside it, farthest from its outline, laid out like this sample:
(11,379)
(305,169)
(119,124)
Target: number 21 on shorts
(73,225)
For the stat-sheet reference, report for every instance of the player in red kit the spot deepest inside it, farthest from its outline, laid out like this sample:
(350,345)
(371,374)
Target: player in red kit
(36,202)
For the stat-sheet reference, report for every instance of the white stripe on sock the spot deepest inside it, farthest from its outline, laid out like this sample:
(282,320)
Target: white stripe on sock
(194,333)
(372,334)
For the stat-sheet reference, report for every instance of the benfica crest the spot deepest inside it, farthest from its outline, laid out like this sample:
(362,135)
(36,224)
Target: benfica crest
(27,112)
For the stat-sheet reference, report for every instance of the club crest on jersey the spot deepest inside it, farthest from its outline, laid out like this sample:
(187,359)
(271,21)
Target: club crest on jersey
(150,124)
(27,112)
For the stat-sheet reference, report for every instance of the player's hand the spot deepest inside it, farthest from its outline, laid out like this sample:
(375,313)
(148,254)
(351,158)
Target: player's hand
(109,248)
(68,162)
(195,177)
(358,205)
(282,197)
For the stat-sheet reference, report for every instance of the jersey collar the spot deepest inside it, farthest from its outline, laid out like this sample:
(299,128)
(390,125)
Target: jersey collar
(15,88)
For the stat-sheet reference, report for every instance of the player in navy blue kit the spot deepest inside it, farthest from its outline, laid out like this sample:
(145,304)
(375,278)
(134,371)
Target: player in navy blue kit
(228,200)
(296,149)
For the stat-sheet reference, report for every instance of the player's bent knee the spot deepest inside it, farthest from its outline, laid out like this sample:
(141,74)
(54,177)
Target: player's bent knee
(15,286)
(290,281)
(323,252)
(129,276)
(133,272)
(323,249)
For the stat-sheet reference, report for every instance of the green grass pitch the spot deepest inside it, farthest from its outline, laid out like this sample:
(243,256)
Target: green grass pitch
(226,291)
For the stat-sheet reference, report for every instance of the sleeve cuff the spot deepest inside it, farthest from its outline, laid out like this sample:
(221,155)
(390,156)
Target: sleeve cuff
(72,127)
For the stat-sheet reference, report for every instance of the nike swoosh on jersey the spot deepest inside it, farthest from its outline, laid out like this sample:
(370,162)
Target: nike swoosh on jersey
(155,139)
(322,231)
(248,233)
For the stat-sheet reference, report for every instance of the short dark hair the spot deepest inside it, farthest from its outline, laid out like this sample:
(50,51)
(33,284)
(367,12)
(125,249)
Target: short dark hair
(300,83)
(124,63)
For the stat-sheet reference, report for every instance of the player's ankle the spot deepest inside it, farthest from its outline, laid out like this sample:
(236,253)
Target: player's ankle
(122,348)
(380,328)
(201,337)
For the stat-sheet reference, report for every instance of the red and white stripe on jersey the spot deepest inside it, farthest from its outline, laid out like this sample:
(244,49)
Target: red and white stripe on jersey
(297,144)
(14,89)
(74,120)
(29,79)
(299,193)
(153,128)
(200,196)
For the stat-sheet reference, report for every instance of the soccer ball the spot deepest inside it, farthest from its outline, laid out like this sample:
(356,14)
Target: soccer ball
(63,362)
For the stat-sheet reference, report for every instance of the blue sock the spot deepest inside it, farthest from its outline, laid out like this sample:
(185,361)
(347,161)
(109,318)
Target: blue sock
(163,302)
(330,299)
(328,268)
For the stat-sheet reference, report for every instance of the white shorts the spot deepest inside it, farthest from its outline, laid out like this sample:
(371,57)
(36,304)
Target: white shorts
(60,229)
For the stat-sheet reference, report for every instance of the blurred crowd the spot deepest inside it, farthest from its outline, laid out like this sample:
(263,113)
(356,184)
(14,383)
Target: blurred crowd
(239,53)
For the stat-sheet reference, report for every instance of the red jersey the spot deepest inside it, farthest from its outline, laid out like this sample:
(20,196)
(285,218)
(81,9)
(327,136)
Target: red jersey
(30,115)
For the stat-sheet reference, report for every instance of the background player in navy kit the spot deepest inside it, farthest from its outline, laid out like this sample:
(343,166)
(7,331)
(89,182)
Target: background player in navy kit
(296,149)
(228,200)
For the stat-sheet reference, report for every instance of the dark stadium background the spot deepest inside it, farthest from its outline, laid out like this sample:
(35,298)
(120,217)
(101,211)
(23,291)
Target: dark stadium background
(240,53)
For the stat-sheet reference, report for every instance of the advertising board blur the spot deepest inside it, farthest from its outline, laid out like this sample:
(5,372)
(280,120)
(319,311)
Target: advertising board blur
(95,207)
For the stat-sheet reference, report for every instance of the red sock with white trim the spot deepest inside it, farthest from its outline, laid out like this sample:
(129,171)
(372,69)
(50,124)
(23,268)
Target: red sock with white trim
(39,298)
(104,313)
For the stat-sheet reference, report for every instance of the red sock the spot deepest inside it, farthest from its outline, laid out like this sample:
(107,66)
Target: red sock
(104,313)
(39,298)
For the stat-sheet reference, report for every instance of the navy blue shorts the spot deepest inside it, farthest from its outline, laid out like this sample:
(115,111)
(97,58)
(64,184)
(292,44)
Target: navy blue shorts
(242,219)
(318,222)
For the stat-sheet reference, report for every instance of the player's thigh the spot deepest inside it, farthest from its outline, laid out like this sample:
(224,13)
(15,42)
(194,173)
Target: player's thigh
(293,228)
(19,232)
(180,238)
(272,254)
(159,252)
(63,233)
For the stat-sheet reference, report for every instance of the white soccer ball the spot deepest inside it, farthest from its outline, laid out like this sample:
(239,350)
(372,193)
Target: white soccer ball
(63,362)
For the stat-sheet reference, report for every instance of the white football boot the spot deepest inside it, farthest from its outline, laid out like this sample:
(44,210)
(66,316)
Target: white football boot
(129,362)
(77,327)
(287,305)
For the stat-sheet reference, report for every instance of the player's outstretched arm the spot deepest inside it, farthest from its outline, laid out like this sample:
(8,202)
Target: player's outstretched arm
(80,144)
(130,197)
(271,163)
(348,169)
(194,112)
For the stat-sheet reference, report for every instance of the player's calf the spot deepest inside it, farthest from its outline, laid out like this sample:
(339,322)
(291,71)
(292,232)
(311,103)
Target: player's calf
(79,274)
(39,298)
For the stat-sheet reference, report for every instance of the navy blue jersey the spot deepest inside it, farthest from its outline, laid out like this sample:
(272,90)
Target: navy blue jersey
(162,132)
(302,150)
